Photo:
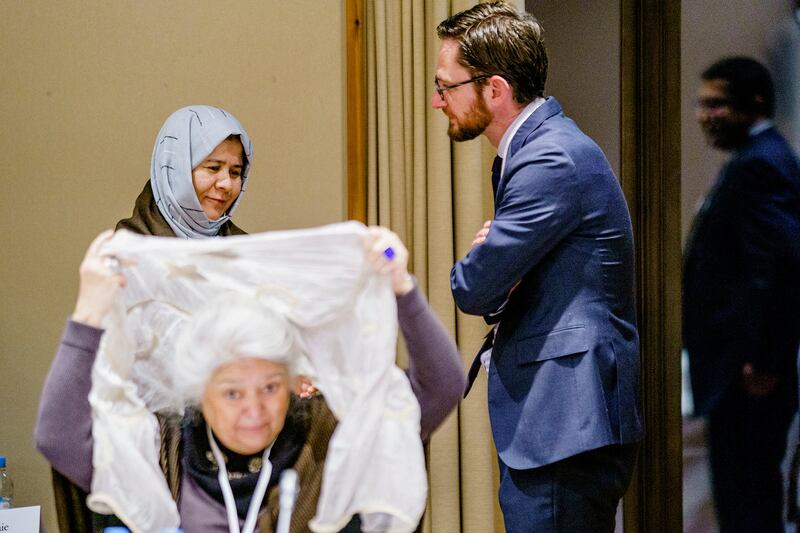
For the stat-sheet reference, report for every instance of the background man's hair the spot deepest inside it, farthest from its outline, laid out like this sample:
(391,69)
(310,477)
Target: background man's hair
(496,39)
(749,84)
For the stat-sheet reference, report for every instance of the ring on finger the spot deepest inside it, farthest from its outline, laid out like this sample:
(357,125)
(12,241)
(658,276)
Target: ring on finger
(113,264)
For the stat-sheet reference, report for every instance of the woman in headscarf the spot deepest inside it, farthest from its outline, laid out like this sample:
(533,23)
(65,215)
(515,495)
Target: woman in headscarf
(198,174)
(234,363)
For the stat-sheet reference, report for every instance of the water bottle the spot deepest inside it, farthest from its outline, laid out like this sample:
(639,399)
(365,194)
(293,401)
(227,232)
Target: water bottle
(6,486)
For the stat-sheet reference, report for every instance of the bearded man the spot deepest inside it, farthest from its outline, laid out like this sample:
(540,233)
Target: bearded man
(554,272)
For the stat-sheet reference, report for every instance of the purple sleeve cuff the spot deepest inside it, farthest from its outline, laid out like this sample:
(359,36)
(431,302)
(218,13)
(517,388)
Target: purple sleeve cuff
(82,336)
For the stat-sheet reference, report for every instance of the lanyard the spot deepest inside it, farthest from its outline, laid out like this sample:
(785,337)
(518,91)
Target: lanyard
(227,493)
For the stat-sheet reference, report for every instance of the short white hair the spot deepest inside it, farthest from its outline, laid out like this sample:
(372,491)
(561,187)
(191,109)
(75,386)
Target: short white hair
(230,327)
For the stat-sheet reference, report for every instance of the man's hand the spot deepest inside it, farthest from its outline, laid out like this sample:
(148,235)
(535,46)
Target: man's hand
(758,385)
(480,237)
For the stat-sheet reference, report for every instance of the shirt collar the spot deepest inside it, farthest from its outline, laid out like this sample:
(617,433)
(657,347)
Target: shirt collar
(505,141)
(759,126)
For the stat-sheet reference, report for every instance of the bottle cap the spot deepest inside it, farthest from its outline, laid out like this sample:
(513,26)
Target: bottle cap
(2,461)
(116,529)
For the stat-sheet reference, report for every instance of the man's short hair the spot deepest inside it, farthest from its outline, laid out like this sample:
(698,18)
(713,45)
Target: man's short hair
(496,39)
(750,85)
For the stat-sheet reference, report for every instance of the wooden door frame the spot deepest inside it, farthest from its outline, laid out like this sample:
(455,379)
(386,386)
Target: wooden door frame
(356,110)
(650,126)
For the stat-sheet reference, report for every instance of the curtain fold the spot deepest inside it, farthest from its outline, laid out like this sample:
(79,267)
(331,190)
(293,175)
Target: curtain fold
(435,195)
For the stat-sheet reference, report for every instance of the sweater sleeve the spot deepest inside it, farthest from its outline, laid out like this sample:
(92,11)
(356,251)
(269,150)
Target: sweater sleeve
(63,431)
(435,369)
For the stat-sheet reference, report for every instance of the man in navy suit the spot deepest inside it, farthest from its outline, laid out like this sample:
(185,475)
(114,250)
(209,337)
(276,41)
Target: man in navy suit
(741,296)
(554,272)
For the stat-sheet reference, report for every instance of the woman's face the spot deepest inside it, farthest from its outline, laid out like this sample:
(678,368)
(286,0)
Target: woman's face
(218,179)
(245,403)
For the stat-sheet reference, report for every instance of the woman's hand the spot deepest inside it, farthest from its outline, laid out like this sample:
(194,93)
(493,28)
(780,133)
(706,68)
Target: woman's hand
(386,254)
(99,282)
(304,388)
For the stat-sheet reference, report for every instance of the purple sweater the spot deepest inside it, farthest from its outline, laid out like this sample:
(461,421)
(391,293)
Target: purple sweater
(63,431)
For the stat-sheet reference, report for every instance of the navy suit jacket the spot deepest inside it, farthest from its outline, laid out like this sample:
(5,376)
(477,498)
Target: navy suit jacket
(564,374)
(741,278)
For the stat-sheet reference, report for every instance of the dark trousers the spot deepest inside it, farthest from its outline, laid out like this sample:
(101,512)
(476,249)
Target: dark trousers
(746,445)
(577,494)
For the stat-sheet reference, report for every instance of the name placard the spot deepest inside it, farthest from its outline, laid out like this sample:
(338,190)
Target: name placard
(20,520)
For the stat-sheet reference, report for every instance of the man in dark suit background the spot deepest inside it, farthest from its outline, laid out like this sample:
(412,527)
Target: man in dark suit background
(554,271)
(741,296)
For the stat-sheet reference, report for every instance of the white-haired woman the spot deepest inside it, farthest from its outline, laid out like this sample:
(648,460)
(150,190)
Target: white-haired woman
(234,364)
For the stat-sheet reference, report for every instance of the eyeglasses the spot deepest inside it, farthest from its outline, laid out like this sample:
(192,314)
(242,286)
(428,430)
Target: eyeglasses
(440,89)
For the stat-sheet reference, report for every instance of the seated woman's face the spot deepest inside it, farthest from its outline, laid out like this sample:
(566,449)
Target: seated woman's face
(218,179)
(245,403)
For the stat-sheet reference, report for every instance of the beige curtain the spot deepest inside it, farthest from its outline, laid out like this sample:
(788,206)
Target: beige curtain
(435,194)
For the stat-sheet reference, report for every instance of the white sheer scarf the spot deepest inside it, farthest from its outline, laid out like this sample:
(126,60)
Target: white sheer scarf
(346,316)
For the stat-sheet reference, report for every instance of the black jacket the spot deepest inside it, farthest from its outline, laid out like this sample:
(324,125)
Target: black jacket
(741,279)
